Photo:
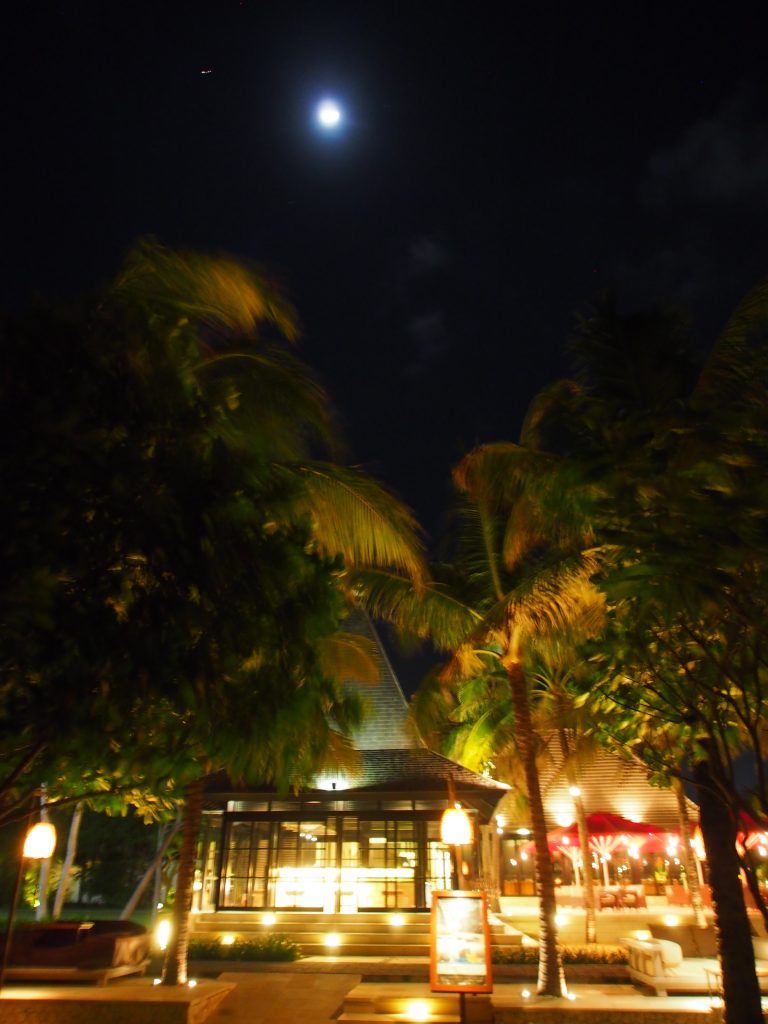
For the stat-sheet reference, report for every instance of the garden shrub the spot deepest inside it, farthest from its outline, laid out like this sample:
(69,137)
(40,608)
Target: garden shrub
(589,954)
(277,948)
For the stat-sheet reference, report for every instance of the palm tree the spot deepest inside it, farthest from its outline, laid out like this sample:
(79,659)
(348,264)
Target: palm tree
(510,589)
(262,406)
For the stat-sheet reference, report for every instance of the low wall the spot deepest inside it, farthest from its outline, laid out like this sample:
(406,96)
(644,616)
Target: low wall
(121,1004)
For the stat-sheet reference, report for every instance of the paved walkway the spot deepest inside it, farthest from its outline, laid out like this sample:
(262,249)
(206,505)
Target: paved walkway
(291,998)
(283,998)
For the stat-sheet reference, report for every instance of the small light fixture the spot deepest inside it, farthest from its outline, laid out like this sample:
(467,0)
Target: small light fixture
(192,983)
(332,940)
(163,934)
(418,1010)
(397,920)
(227,940)
(671,921)
(268,919)
(574,791)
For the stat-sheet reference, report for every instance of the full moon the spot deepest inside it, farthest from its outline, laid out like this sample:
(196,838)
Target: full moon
(328,114)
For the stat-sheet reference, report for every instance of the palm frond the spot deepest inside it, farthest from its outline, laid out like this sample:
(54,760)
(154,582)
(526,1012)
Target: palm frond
(206,289)
(736,371)
(428,611)
(349,656)
(551,403)
(357,518)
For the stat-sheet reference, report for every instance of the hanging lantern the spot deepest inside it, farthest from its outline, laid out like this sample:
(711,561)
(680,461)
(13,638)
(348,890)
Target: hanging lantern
(456,827)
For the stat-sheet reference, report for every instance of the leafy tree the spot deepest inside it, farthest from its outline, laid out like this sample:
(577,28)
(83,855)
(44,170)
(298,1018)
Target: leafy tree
(176,552)
(671,480)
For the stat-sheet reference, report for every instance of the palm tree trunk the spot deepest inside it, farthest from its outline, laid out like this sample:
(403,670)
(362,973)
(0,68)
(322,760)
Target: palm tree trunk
(551,979)
(176,954)
(741,992)
(692,875)
(164,841)
(587,878)
(69,858)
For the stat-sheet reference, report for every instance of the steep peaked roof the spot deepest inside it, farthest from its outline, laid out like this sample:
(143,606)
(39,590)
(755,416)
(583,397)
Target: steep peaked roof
(387,724)
(388,755)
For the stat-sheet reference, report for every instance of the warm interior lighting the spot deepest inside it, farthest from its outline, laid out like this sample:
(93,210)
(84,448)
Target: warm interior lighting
(671,920)
(574,791)
(642,934)
(455,827)
(560,920)
(40,841)
(378,840)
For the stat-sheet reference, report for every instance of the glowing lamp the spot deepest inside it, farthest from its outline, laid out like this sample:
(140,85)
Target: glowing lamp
(574,791)
(163,934)
(418,1010)
(455,827)
(40,841)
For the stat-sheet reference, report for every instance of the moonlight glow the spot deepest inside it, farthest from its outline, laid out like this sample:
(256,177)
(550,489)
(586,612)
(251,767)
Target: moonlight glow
(328,114)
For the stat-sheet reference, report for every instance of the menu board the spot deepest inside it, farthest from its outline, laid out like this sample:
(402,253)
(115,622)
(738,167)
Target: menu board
(460,959)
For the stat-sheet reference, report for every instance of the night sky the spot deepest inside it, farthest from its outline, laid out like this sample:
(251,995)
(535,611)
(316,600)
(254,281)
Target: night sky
(497,167)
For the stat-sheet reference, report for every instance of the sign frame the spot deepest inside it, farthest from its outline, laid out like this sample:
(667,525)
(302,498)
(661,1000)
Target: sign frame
(462,936)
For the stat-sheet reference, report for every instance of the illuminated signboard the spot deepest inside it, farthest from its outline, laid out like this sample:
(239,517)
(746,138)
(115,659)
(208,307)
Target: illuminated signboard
(460,956)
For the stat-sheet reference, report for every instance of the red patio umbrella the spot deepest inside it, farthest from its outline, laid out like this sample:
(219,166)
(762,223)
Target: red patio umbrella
(603,823)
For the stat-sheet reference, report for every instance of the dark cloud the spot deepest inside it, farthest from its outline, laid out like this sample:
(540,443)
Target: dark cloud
(720,159)
(425,255)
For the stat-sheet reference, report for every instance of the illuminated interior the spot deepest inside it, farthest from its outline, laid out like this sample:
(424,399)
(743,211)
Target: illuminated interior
(336,863)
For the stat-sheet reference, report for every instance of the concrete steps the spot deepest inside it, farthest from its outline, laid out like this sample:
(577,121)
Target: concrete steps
(363,934)
(372,1003)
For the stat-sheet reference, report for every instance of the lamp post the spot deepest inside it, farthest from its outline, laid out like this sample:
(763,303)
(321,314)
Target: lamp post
(39,844)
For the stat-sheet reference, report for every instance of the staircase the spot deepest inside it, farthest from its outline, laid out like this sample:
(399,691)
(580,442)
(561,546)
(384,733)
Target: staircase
(396,934)
(373,1003)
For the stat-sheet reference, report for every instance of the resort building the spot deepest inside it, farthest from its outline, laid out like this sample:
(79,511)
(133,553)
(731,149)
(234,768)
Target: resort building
(364,836)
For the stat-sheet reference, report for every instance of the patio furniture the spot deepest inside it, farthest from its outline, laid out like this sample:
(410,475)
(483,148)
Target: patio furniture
(607,899)
(78,951)
(686,966)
